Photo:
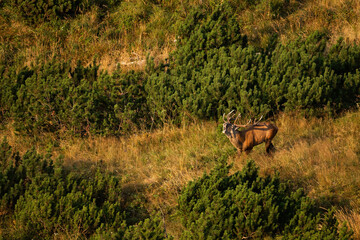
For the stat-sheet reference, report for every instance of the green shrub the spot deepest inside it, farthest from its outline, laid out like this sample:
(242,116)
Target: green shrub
(151,228)
(246,205)
(34,12)
(39,11)
(11,177)
(214,70)
(54,98)
(44,199)
(195,81)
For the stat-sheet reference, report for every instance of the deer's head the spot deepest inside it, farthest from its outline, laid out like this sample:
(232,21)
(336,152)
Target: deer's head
(229,129)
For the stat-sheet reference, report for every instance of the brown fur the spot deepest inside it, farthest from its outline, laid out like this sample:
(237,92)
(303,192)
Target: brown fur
(244,140)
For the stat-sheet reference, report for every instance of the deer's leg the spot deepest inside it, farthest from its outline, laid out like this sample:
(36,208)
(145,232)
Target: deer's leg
(247,150)
(269,147)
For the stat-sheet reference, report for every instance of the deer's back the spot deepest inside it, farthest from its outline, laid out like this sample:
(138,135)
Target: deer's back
(261,132)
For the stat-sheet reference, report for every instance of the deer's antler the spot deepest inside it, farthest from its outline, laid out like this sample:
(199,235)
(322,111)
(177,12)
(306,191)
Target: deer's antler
(237,118)
(256,122)
(249,123)
(227,117)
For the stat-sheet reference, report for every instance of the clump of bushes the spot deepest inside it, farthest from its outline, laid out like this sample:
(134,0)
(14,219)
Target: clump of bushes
(34,12)
(214,70)
(54,98)
(38,11)
(246,205)
(44,199)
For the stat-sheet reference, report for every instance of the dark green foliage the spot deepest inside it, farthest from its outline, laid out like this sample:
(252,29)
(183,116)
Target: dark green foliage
(45,199)
(39,11)
(11,177)
(214,70)
(148,229)
(196,79)
(245,205)
(55,98)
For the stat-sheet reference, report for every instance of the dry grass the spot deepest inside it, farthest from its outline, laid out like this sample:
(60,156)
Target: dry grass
(111,42)
(351,217)
(338,18)
(160,162)
(84,39)
(320,155)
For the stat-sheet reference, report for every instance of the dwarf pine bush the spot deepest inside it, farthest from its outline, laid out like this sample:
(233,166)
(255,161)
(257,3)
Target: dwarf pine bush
(35,12)
(54,98)
(246,205)
(214,70)
(44,199)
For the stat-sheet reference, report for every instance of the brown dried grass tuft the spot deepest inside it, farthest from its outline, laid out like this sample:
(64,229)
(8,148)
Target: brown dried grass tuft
(351,217)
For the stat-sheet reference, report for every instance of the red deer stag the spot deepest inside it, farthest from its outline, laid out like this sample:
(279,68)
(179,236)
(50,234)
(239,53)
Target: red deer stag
(254,134)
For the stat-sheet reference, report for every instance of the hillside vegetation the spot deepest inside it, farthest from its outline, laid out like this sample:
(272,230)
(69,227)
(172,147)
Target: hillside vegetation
(110,110)
(214,69)
(125,32)
(319,155)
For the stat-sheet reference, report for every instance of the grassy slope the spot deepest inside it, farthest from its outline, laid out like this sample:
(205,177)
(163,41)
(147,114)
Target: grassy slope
(128,33)
(320,155)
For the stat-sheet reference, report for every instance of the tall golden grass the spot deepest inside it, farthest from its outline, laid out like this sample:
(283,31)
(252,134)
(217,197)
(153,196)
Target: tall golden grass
(320,155)
(86,38)
(338,18)
(107,39)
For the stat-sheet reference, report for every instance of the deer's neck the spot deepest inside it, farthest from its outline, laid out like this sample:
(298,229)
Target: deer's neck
(236,138)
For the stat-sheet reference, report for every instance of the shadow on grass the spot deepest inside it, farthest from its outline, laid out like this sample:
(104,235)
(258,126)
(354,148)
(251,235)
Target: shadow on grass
(132,194)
